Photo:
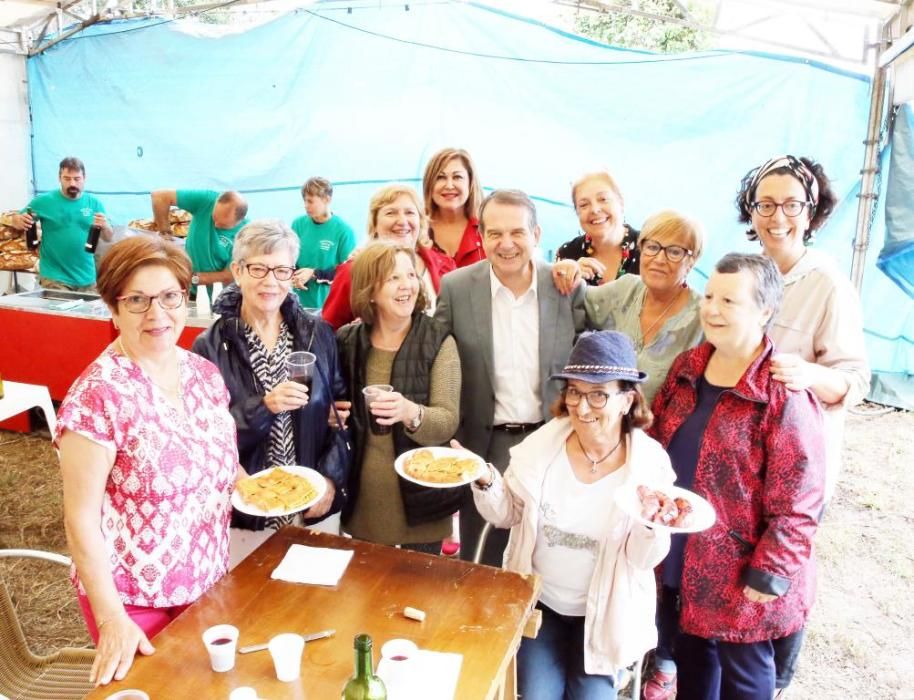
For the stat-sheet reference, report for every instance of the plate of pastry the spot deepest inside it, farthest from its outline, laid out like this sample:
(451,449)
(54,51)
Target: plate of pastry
(279,490)
(440,467)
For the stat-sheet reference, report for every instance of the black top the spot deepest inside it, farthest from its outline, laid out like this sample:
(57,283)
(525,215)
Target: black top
(582,247)
(683,451)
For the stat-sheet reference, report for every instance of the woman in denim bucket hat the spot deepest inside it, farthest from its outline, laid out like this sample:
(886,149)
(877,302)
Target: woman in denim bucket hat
(596,563)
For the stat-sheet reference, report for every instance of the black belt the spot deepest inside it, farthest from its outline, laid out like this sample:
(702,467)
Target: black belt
(517,428)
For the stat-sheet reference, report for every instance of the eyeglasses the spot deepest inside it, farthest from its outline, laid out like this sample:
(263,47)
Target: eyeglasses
(282,273)
(791,207)
(140,303)
(673,253)
(595,399)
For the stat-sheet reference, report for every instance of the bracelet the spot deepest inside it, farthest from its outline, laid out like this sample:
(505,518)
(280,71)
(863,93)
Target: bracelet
(491,478)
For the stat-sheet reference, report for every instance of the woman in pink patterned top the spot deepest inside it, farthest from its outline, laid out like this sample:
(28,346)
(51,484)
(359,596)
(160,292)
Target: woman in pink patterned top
(149,460)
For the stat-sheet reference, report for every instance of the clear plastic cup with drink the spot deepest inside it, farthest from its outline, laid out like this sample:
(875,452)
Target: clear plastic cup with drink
(370,394)
(300,367)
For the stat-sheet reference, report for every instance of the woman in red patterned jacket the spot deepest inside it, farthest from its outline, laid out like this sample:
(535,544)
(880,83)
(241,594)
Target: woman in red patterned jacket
(755,450)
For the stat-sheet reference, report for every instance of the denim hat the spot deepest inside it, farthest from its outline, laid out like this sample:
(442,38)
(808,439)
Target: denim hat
(602,356)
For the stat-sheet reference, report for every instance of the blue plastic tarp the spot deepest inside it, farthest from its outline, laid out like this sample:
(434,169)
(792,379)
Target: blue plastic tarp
(364,98)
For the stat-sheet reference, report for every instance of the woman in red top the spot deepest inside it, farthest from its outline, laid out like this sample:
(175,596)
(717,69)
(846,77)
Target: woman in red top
(452,197)
(755,450)
(395,214)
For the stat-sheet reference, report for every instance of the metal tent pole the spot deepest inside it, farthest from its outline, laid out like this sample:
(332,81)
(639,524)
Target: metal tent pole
(868,195)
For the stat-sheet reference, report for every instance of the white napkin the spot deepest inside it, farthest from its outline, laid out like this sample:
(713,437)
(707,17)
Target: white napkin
(433,675)
(316,565)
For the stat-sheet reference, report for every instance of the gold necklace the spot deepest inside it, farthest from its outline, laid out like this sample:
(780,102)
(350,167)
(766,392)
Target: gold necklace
(177,390)
(595,462)
(657,320)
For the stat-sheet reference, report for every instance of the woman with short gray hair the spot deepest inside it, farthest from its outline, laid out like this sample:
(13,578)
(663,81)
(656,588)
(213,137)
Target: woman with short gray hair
(755,450)
(279,421)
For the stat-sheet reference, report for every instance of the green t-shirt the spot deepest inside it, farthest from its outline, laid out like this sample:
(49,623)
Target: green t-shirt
(65,224)
(209,248)
(323,247)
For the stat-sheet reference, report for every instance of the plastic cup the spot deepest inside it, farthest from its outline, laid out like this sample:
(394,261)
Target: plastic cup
(220,642)
(286,650)
(129,694)
(243,693)
(370,393)
(300,366)
(400,656)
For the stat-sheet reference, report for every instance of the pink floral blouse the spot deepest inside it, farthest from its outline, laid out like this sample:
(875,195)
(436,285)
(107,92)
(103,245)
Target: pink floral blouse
(166,510)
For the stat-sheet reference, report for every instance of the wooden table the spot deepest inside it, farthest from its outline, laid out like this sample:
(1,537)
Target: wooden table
(474,610)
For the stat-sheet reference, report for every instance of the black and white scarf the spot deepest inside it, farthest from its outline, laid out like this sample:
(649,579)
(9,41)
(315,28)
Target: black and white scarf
(270,369)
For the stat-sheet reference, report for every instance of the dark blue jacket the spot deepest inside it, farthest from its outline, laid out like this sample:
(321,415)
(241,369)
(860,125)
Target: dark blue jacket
(224,345)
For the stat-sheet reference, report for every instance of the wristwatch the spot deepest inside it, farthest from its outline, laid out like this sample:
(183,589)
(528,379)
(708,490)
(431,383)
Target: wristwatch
(417,421)
(195,279)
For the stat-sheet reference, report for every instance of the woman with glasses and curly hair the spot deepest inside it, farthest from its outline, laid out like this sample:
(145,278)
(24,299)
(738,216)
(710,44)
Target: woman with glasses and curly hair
(279,420)
(818,333)
(148,459)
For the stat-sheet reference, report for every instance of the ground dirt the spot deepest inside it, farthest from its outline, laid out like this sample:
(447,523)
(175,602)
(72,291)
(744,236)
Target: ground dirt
(859,638)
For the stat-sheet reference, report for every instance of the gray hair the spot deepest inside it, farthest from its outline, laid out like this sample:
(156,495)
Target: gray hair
(514,198)
(263,237)
(769,285)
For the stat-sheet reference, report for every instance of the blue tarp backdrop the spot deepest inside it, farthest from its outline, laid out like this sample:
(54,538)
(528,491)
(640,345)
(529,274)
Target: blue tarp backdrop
(365,98)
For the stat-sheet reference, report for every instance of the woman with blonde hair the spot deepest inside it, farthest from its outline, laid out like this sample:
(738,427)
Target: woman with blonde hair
(398,345)
(452,198)
(395,215)
(608,247)
(656,309)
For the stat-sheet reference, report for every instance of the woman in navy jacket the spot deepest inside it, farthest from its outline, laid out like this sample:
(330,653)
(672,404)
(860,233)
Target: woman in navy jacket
(279,421)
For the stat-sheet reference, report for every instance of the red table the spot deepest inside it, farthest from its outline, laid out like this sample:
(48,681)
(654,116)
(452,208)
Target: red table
(52,348)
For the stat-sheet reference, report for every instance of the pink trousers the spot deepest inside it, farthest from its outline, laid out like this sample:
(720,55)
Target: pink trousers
(150,620)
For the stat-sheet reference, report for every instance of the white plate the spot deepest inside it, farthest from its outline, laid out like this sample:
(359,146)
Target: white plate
(400,463)
(703,515)
(317,481)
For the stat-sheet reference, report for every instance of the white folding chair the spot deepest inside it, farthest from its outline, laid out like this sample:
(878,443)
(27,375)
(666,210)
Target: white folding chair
(18,398)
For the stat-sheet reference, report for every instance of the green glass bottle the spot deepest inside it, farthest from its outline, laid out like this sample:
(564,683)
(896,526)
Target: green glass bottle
(364,685)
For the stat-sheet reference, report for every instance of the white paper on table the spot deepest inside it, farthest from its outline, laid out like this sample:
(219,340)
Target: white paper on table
(316,565)
(433,676)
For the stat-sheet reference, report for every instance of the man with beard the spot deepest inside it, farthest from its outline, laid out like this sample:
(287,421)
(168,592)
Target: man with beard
(66,215)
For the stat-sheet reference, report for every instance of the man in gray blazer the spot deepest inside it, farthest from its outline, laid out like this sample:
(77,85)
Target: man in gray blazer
(513,331)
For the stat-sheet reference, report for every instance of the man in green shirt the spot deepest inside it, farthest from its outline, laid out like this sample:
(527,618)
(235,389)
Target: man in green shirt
(66,215)
(326,241)
(216,220)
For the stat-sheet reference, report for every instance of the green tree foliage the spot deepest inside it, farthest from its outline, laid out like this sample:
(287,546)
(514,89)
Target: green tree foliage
(636,32)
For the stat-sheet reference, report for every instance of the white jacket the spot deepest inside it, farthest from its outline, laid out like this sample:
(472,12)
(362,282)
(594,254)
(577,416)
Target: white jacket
(619,622)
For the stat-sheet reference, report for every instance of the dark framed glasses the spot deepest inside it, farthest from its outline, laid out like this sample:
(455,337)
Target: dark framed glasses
(791,207)
(283,273)
(673,253)
(595,399)
(140,303)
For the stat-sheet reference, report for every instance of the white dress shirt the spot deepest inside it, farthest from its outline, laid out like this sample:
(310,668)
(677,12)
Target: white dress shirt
(516,353)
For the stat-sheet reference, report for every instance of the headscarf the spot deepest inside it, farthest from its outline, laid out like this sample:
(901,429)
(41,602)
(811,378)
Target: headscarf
(796,167)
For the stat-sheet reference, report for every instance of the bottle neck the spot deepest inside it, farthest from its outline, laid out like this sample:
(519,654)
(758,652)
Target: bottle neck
(363,662)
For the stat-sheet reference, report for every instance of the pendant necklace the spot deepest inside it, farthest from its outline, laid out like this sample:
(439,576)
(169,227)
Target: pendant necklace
(595,462)
(657,320)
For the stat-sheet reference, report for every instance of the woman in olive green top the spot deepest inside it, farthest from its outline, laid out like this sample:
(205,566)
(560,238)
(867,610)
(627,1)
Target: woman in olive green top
(657,309)
(396,344)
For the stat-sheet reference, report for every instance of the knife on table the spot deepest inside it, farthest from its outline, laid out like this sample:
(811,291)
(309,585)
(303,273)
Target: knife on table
(307,637)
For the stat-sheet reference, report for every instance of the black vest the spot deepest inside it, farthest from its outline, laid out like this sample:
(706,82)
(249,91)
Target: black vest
(411,376)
